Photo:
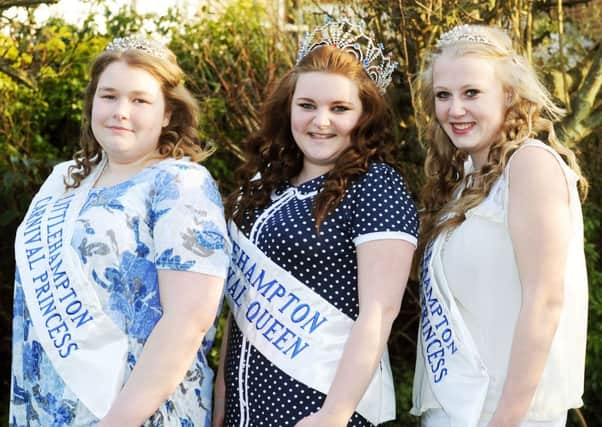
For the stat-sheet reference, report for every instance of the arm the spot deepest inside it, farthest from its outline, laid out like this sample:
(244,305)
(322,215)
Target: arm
(383,268)
(539,221)
(189,301)
(219,389)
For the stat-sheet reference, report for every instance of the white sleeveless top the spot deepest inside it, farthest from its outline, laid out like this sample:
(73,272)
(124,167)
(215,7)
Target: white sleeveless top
(480,267)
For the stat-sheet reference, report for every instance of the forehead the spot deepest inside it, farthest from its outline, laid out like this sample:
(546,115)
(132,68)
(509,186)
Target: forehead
(451,70)
(119,75)
(326,87)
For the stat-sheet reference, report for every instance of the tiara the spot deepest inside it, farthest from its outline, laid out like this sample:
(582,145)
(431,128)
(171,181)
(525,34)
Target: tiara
(351,37)
(463,33)
(148,46)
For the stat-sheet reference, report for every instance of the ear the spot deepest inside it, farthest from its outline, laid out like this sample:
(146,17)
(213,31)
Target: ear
(166,118)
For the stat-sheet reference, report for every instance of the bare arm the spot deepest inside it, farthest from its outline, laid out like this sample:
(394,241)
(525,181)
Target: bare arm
(383,268)
(189,301)
(539,221)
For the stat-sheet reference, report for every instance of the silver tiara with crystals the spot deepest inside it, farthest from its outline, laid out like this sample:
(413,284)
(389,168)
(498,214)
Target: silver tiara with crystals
(351,37)
(148,46)
(463,33)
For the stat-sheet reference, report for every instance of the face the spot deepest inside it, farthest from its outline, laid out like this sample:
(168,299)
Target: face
(128,112)
(325,109)
(469,103)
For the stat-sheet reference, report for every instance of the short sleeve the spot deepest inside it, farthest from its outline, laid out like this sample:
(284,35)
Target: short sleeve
(380,207)
(187,221)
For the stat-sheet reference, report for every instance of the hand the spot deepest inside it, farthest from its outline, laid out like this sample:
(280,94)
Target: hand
(322,419)
(219,401)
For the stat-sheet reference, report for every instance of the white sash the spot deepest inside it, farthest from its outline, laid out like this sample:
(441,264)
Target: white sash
(84,345)
(456,375)
(295,328)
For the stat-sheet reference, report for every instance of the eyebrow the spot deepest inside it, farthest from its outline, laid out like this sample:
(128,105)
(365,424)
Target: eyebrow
(463,87)
(134,92)
(336,102)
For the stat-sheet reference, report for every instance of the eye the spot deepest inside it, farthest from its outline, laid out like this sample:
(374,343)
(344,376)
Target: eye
(141,101)
(340,108)
(442,94)
(471,93)
(107,96)
(306,105)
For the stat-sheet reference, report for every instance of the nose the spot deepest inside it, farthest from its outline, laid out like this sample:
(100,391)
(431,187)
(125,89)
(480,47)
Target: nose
(456,107)
(322,118)
(122,109)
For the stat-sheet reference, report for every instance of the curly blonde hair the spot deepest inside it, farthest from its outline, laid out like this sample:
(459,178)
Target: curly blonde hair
(179,138)
(273,153)
(530,111)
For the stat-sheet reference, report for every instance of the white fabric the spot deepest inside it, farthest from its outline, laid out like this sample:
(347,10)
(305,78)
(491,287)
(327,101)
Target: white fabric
(448,365)
(91,356)
(438,418)
(480,267)
(307,335)
(385,235)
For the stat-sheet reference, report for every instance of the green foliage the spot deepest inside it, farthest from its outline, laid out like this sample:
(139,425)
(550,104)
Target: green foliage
(42,78)
(591,149)
(232,57)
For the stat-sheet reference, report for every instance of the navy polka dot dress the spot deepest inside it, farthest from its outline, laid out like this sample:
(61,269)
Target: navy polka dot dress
(376,206)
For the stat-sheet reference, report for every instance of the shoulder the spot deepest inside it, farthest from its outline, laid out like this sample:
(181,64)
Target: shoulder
(62,168)
(187,178)
(182,172)
(533,159)
(380,185)
(537,168)
(381,175)
(382,170)
(182,167)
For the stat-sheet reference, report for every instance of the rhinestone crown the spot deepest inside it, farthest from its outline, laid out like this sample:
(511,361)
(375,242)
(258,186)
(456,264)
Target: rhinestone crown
(463,33)
(351,37)
(148,46)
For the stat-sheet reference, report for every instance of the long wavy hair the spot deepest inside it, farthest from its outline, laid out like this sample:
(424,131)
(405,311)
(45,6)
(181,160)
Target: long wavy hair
(179,138)
(448,192)
(273,153)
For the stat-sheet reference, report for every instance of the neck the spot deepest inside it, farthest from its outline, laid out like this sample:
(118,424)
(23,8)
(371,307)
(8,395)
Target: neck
(478,160)
(309,173)
(117,171)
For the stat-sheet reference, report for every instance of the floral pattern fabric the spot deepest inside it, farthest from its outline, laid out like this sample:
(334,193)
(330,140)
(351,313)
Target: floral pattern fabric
(170,217)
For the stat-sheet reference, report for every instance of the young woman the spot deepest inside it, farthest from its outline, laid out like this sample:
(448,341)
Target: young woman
(121,260)
(503,279)
(323,235)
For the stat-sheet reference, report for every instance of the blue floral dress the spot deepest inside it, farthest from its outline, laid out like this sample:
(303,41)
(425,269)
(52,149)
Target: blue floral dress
(169,216)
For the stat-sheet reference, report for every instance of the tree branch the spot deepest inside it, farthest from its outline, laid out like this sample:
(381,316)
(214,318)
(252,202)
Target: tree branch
(579,123)
(10,72)
(5,4)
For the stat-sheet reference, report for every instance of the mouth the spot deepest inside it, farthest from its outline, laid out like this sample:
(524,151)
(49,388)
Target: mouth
(321,135)
(462,128)
(119,129)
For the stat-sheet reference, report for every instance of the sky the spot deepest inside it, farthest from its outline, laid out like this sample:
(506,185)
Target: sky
(73,10)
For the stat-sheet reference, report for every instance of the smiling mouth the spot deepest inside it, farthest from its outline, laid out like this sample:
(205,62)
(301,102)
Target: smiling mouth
(321,135)
(462,128)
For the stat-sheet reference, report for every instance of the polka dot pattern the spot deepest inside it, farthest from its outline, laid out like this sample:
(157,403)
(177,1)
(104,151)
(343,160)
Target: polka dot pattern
(376,203)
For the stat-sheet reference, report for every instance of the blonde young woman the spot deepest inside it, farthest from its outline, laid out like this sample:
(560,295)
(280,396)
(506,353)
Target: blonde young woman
(121,260)
(502,269)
